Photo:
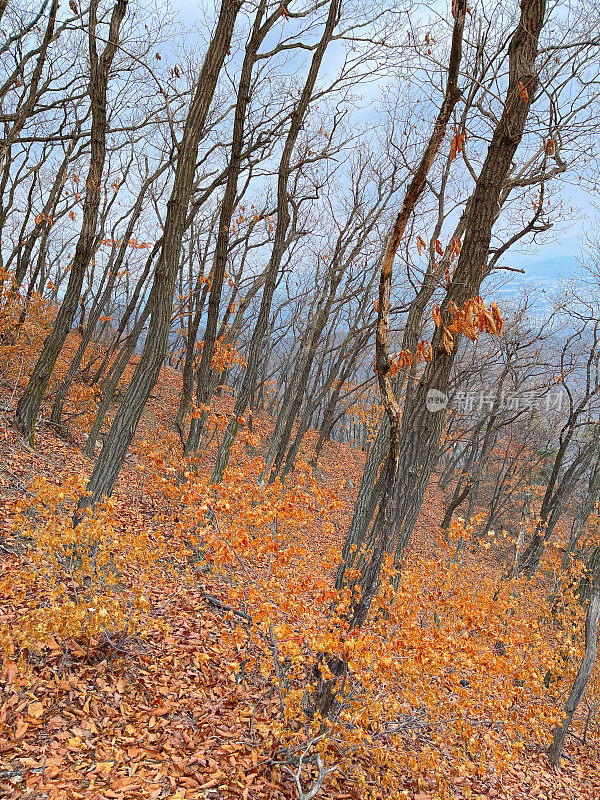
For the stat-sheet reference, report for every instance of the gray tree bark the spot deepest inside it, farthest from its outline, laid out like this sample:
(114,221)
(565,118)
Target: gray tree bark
(100,303)
(555,499)
(228,204)
(256,347)
(31,400)
(419,429)
(146,373)
(584,672)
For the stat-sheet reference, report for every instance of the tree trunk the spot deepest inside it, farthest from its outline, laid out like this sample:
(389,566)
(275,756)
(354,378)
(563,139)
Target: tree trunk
(228,204)
(583,674)
(553,505)
(100,303)
(382,526)
(46,215)
(146,373)
(460,493)
(111,382)
(190,354)
(587,506)
(31,400)
(256,348)
(420,429)
(123,323)
(292,399)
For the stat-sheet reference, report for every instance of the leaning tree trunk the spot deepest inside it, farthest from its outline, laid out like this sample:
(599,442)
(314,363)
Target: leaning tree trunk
(329,417)
(585,668)
(31,400)
(113,270)
(111,382)
(460,493)
(421,429)
(489,440)
(338,375)
(44,219)
(463,483)
(553,505)
(369,492)
(228,205)
(588,505)
(132,305)
(199,296)
(371,561)
(146,373)
(256,348)
(381,532)
(292,399)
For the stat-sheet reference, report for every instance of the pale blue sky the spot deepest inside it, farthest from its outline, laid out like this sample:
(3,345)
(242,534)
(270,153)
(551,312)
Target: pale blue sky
(544,263)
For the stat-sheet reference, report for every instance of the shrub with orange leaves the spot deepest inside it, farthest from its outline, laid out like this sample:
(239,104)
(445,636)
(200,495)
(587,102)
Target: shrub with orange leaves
(19,343)
(85,582)
(366,409)
(446,678)
(22,337)
(225,356)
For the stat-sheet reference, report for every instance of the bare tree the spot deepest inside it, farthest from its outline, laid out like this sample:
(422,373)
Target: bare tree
(31,400)
(280,238)
(415,443)
(585,668)
(147,371)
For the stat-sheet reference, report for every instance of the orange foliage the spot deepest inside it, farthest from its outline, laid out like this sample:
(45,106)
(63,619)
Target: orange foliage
(221,599)
(471,319)
(76,582)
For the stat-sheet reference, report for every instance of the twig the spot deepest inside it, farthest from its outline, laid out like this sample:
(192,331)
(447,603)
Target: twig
(323,773)
(223,606)
(278,670)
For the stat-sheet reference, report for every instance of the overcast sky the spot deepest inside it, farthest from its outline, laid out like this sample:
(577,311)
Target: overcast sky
(544,263)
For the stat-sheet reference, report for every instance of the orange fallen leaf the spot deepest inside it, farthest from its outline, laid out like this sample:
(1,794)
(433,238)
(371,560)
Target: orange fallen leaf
(21,730)
(35,709)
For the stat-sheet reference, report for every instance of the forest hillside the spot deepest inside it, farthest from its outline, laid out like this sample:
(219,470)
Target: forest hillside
(174,664)
(299,399)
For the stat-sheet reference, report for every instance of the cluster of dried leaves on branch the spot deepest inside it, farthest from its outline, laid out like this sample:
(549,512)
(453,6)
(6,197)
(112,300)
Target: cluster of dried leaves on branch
(172,644)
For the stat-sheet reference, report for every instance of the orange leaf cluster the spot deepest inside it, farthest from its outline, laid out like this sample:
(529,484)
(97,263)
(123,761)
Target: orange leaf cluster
(523,93)
(457,144)
(471,319)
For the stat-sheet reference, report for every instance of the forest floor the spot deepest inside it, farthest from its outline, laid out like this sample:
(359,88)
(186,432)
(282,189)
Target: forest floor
(163,717)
